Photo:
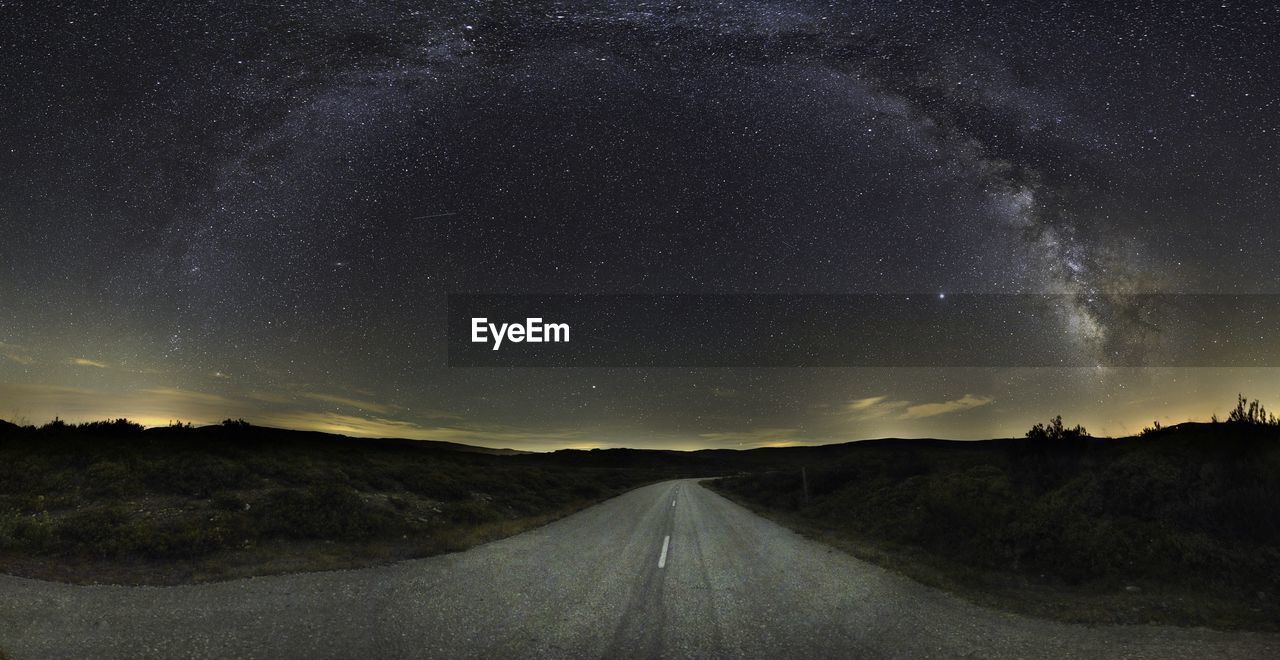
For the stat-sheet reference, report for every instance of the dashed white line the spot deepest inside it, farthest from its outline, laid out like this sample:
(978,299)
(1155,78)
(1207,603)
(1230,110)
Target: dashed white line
(673,502)
(662,559)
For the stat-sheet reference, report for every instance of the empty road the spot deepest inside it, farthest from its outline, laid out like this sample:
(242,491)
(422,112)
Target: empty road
(668,570)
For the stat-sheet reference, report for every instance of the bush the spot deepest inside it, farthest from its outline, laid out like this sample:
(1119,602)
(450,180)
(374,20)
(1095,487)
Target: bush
(111,479)
(1055,431)
(433,482)
(29,533)
(1251,412)
(197,475)
(321,512)
(120,426)
(103,532)
(188,538)
(228,501)
(473,512)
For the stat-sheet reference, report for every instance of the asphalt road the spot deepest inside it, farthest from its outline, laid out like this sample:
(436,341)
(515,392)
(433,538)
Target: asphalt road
(669,570)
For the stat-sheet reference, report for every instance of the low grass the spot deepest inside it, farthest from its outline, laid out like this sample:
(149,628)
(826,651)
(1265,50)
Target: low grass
(1179,526)
(181,505)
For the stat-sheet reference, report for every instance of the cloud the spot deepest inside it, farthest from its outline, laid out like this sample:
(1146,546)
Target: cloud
(498,435)
(875,407)
(86,362)
(965,402)
(19,358)
(53,392)
(150,407)
(435,413)
(158,406)
(762,437)
(41,403)
(268,397)
(864,404)
(332,422)
(383,427)
(371,406)
(178,397)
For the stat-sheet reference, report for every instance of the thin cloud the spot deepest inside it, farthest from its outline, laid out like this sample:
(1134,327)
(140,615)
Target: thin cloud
(25,360)
(864,404)
(86,362)
(877,407)
(383,427)
(173,395)
(724,393)
(874,407)
(268,397)
(965,402)
(371,406)
(354,425)
(762,437)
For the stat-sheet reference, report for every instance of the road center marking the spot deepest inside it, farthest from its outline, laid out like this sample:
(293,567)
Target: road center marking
(673,502)
(662,559)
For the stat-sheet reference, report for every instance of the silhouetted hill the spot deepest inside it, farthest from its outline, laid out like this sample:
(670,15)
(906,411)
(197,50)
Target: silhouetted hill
(241,433)
(277,434)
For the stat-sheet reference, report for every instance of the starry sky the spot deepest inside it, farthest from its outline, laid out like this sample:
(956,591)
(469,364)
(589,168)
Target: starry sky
(256,210)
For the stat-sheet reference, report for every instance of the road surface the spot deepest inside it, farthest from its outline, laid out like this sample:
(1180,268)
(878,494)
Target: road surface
(668,570)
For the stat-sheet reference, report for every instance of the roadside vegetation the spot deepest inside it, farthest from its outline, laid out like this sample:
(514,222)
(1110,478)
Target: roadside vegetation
(111,502)
(1180,525)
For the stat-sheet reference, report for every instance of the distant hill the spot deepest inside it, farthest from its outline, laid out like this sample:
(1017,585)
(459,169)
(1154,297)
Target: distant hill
(321,435)
(708,462)
(251,432)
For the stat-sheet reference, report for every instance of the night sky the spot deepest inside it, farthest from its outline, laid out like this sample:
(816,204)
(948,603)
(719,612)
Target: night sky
(256,210)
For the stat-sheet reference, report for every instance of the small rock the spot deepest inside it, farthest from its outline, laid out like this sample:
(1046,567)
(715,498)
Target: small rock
(1132,589)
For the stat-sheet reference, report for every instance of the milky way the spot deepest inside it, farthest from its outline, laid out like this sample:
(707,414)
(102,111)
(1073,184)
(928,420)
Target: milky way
(261,209)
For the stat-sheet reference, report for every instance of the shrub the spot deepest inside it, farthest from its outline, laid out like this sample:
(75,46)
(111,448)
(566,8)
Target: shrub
(326,511)
(119,426)
(111,479)
(227,501)
(56,425)
(25,532)
(1251,412)
(1055,431)
(104,532)
(473,512)
(197,475)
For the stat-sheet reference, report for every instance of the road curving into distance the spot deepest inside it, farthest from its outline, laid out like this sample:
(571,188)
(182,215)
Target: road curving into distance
(668,570)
